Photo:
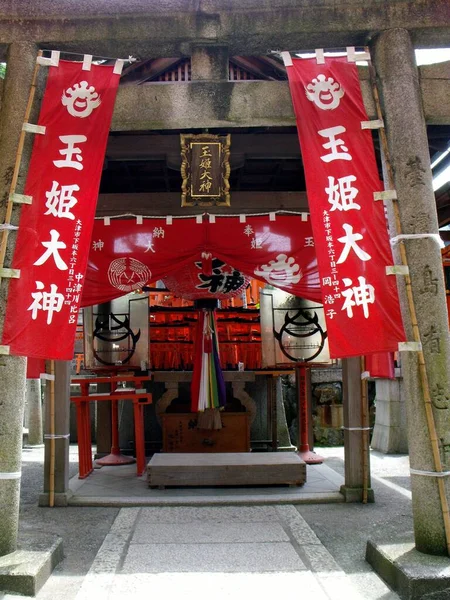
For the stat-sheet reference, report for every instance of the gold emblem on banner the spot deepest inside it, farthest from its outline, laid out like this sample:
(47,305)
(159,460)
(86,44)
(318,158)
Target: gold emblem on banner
(205,169)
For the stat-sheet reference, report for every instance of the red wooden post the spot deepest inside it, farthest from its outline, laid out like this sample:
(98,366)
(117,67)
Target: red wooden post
(310,458)
(83,433)
(139,436)
(115,457)
(84,448)
(88,441)
(84,422)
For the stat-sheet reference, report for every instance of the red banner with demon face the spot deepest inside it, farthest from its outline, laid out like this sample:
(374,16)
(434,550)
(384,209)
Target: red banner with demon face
(55,229)
(360,299)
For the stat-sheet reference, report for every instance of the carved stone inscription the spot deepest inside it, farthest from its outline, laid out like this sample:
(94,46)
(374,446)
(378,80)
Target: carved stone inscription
(415,172)
(439,397)
(431,341)
(430,283)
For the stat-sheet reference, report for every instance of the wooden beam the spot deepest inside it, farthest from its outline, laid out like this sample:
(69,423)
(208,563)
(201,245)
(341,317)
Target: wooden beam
(146,146)
(170,204)
(145,71)
(252,65)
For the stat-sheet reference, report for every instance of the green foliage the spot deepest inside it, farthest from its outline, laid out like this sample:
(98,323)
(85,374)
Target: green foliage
(2,70)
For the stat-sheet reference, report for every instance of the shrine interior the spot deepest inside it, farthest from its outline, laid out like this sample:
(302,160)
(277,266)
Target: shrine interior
(142,176)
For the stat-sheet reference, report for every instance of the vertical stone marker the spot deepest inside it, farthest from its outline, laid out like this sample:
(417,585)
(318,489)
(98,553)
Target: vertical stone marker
(398,82)
(34,405)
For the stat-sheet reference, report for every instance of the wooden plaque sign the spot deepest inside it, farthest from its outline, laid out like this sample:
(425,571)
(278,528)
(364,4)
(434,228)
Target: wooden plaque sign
(205,169)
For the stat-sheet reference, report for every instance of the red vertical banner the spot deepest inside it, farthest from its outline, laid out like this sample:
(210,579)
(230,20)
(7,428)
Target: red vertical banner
(350,231)
(381,364)
(55,229)
(35,366)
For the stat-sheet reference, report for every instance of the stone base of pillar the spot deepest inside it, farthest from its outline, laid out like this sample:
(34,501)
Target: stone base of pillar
(27,569)
(355,494)
(61,499)
(412,574)
(26,445)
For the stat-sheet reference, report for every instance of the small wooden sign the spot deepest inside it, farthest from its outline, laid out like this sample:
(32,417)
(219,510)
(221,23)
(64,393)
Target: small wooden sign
(205,169)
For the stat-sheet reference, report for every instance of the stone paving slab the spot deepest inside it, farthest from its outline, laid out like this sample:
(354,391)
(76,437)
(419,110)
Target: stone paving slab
(219,586)
(339,588)
(203,532)
(212,558)
(320,560)
(219,514)
(300,530)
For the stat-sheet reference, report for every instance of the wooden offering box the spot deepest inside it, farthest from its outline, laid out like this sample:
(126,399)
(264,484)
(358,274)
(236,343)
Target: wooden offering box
(180,433)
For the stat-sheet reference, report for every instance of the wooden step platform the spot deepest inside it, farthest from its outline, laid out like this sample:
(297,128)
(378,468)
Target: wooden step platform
(227,468)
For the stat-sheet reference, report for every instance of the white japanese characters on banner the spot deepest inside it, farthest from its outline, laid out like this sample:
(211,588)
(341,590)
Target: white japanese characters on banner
(54,232)
(361,301)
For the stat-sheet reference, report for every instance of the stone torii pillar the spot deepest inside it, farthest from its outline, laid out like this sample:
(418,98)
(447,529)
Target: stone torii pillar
(21,60)
(398,81)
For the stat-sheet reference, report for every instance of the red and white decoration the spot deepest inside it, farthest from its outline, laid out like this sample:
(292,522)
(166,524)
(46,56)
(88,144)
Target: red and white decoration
(55,229)
(201,258)
(360,299)
(208,277)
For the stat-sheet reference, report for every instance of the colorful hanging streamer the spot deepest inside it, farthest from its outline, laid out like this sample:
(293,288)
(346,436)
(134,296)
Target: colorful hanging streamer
(208,385)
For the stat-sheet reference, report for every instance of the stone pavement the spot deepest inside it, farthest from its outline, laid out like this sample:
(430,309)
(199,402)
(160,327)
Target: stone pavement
(214,552)
(256,550)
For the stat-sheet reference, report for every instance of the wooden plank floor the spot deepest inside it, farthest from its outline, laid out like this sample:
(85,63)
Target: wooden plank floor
(230,468)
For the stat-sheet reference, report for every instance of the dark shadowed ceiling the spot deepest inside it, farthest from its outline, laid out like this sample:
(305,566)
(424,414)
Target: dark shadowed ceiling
(262,159)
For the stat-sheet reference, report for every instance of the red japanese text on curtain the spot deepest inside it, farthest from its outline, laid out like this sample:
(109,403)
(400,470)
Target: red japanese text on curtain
(55,230)
(350,233)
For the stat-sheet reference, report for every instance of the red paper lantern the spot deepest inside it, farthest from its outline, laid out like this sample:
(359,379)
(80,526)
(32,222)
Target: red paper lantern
(207,278)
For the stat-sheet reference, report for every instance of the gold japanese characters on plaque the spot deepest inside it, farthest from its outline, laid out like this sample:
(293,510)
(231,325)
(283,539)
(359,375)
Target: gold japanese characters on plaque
(205,169)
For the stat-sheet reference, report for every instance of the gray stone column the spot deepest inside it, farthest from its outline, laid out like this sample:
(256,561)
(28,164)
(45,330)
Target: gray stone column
(62,417)
(353,435)
(283,437)
(398,82)
(21,59)
(209,63)
(34,407)
(389,432)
